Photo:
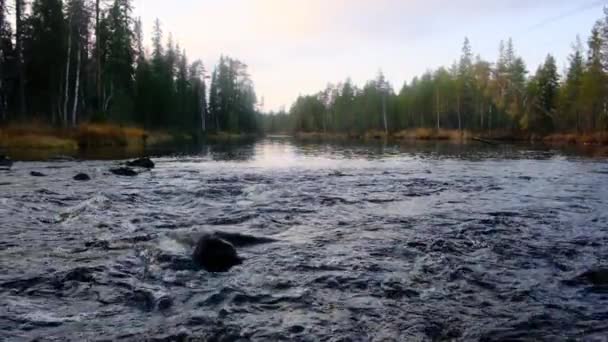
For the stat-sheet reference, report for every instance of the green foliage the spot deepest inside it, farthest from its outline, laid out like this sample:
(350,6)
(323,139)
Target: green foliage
(570,101)
(472,94)
(232,99)
(72,69)
(115,81)
(44,48)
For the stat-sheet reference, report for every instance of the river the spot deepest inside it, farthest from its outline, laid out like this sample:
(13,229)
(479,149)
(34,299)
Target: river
(418,242)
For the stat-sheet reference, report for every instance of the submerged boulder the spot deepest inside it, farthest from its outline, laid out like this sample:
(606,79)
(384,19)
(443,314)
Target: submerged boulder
(5,161)
(597,277)
(37,174)
(215,254)
(124,171)
(146,163)
(82,177)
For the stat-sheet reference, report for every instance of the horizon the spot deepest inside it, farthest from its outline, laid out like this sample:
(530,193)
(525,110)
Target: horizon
(320,44)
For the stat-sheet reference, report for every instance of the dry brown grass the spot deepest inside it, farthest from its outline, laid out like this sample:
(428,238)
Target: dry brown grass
(108,135)
(37,141)
(40,136)
(598,138)
(375,135)
(95,135)
(156,138)
(413,134)
(432,134)
(35,136)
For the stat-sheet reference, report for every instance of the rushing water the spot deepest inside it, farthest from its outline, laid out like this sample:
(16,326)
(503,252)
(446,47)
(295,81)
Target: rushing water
(385,243)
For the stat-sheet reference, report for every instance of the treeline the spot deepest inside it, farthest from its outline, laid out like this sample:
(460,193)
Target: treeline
(67,62)
(473,94)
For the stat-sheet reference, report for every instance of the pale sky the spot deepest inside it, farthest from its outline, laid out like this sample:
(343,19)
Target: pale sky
(295,47)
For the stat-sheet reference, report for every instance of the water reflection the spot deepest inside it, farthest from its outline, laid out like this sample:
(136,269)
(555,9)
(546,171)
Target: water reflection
(284,151)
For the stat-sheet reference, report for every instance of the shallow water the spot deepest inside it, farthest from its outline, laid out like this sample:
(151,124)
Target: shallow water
(422,242)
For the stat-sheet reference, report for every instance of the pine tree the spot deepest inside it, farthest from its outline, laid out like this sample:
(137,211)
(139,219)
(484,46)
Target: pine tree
(143,80)
(78,35)
(604,34)
(465,84)
(19,26)
(3,38)
(214,102)
(593,82)
(119,69)
(543,90)
(570,98)
(483,92)
(46,55)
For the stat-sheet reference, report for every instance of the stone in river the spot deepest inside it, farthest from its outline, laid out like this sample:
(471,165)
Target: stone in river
(142,162)
(82,177)
(215,254)
(124,171)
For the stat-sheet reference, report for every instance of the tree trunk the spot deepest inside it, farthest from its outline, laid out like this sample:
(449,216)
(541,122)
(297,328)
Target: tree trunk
(481,112)
(98,56)
(107,101)
(2,111)
(76,85)
(19,52)
(490,120)
(605,115)
(67,75)
(437,104)
(203,110)
(384,114)
(458,112)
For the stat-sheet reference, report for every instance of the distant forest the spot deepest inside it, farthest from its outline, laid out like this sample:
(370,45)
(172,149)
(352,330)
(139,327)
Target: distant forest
(67,62)
(472,94)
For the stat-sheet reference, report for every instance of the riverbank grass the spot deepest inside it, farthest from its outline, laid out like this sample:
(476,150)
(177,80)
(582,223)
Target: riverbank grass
(411,134)
(34,136)
(598,138)
(432,134)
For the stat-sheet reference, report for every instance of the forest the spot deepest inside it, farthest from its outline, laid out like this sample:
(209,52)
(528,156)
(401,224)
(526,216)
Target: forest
(63,63)
(473,94)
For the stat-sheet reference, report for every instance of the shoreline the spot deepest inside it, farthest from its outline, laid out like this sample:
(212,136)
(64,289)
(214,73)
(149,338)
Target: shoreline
(102,136)
(83,137)
(598,139)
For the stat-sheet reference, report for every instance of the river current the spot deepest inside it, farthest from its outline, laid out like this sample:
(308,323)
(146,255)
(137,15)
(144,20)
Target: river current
(427,242)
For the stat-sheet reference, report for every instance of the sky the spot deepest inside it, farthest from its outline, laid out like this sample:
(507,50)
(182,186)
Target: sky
(297,47)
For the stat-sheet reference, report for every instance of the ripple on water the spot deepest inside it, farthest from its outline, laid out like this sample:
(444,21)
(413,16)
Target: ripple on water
(340,243)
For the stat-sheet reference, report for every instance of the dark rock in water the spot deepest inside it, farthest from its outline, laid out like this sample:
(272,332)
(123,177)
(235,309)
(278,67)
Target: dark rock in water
(164,303)
(5,162)
(598,277)
(37,174)
(80,274)
(124,171)
(215,254)
(103,244)
(338,174)
(142,162)
(82,177)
